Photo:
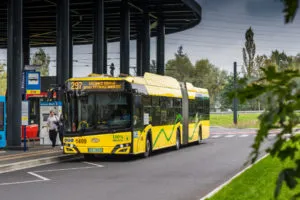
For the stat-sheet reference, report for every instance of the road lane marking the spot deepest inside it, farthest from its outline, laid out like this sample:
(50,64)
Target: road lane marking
(42,178)
(22,182)
(227,182)
(229,136)
(245,135)
(236,133)
(94,164)
(56,170)
(216,136)
(39,176)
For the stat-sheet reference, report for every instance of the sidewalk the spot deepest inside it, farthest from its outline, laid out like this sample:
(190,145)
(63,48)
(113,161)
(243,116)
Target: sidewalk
(33,157)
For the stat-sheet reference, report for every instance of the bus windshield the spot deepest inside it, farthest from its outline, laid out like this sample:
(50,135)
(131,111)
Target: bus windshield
(98,112)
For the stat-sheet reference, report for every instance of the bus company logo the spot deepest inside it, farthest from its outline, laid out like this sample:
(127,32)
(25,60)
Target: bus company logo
(95,140)
(118,138)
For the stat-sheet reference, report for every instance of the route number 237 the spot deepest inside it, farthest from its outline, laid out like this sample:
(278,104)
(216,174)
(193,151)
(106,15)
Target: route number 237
(76,85)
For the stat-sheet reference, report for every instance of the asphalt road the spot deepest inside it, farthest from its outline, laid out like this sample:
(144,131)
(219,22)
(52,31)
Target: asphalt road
(188,174)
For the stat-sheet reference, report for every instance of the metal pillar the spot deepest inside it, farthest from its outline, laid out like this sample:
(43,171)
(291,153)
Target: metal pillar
(160,51)
(235,106)
(146,39)
(124,38)
(105,53)
(14,68)
(71,51)
(98,37)
(139,54)
(63,42)
(26,46)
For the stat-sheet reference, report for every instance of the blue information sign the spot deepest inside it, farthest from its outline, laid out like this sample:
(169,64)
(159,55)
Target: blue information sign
(2,122)
(32,82)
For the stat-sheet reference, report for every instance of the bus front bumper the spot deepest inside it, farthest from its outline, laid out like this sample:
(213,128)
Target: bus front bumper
(118,149)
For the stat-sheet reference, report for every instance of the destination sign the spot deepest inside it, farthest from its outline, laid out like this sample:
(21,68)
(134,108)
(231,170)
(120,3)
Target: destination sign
(96,85)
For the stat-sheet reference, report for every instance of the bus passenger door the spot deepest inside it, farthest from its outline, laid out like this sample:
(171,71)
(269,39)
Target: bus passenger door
(138,125)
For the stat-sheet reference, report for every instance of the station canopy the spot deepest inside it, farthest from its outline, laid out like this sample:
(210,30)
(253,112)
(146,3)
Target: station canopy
(40,19)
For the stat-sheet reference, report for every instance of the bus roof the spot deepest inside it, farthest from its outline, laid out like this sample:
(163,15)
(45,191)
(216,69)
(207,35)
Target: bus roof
(152,84)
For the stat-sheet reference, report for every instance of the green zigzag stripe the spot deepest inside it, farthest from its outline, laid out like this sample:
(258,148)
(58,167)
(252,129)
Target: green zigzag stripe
(196,125)
(178,119)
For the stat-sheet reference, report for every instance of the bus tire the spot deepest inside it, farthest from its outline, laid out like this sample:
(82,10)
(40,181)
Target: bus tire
(177,145)
(200,135)
(148,147)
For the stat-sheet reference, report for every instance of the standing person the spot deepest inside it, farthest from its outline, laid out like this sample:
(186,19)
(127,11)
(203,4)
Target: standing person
(53,127)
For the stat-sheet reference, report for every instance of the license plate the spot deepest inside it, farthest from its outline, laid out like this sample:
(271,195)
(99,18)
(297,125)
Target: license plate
(95,150)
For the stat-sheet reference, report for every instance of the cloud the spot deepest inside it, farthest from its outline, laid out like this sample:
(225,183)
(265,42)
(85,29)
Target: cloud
(264,8)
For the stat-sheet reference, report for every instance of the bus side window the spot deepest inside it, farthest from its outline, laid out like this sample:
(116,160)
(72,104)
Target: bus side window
(163,110)
(155,111)
(146,102)
(192,111)
(177,106)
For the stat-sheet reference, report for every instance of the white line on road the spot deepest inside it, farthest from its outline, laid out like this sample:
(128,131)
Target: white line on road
(229,136)
(94,164)
(243,135)
(56,170)
(16,183)
(39,176)
(216,136)
(42,178)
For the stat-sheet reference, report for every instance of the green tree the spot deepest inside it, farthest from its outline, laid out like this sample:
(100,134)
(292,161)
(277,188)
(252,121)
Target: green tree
(225,101)
(209,76)
(181,67)
(42,59)
(249,54)
(295,62)
(204,74)
(282,88)
(290,9)
(281,60)
(259,62)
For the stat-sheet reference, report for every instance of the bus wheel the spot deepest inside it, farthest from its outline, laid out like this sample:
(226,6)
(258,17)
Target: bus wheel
(89,157)
(200,135)
(178,140)
(148,148)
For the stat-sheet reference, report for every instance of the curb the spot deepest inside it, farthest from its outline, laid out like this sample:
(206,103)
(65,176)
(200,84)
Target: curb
(34,163)
(209,195)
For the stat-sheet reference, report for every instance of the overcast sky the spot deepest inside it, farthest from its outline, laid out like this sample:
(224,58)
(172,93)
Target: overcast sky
(219,37)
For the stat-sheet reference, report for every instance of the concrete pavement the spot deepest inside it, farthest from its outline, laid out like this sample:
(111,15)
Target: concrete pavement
(17,160)
(189,173)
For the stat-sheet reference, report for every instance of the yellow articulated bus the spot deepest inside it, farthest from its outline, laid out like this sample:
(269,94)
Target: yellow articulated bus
(132,115)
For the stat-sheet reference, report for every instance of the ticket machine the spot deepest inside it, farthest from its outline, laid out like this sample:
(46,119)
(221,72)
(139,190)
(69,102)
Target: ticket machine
(2,122)
(45,107)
